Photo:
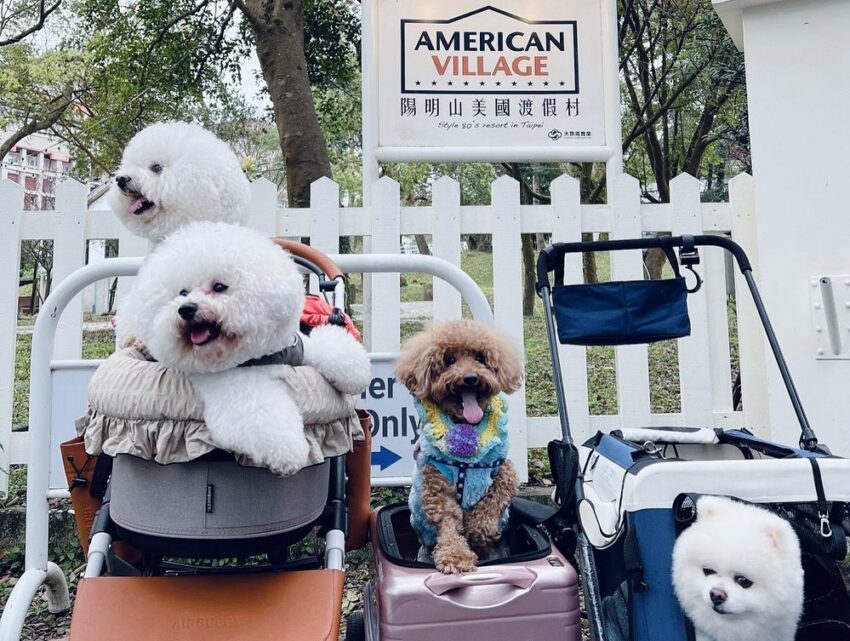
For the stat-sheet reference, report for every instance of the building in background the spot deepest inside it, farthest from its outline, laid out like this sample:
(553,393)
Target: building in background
(37,163)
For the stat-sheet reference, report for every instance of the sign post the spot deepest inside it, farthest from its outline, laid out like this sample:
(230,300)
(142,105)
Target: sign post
(473,81)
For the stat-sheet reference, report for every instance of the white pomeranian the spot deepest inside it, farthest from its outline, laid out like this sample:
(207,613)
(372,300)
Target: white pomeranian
(737,573)
(212,297)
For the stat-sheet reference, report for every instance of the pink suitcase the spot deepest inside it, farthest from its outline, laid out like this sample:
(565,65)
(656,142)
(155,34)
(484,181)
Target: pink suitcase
(532,599)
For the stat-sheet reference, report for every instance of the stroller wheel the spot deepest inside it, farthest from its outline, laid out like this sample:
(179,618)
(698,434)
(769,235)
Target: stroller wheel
(355,627)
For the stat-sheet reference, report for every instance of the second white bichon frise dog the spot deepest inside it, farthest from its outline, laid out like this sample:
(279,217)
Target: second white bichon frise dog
(174,173)
(214,296)
(737,573)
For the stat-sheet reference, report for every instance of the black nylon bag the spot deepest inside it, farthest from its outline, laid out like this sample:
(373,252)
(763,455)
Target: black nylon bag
(623,312)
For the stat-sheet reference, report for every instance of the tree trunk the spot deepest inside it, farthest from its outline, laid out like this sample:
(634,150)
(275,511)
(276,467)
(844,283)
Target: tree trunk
(529,277)
(588,259)
(279,35)
(34,289)
(655,259)
(422,244)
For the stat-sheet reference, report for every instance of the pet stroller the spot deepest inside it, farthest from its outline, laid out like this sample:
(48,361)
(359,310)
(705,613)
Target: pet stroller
(628,494)
(188,543)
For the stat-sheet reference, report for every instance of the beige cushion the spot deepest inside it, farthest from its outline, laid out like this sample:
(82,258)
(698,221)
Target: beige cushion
(140,407)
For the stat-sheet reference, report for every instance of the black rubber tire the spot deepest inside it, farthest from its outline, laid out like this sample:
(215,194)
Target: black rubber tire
(355,627)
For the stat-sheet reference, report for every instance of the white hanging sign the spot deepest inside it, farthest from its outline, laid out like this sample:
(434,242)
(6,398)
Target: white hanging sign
(505,81)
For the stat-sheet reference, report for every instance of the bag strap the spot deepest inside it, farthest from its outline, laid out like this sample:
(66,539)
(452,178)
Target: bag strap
(100,476)
(823,506)
(634,566)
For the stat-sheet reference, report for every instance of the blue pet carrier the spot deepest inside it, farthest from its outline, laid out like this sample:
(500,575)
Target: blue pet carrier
(625,496)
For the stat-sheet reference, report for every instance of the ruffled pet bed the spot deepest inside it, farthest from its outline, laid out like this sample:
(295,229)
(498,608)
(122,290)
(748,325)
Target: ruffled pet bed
(141,408)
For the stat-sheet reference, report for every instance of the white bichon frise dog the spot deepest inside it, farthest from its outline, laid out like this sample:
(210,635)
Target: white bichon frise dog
(737,573)
(173,173)
(213,296)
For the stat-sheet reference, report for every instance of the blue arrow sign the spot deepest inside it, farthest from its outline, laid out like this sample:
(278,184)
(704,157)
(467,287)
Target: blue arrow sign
(385,458)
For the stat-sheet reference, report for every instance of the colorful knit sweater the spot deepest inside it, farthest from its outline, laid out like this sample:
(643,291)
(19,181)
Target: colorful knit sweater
(469,456)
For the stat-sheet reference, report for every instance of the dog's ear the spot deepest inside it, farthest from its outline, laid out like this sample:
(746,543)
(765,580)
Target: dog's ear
(415,366)
(781,535)
(506,361)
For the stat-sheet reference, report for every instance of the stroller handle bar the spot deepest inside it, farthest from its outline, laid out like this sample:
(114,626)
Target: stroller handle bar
(553,255)
(312,255)
(552,259)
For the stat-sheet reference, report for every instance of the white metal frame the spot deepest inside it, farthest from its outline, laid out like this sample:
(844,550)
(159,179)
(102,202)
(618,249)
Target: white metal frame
(38,569)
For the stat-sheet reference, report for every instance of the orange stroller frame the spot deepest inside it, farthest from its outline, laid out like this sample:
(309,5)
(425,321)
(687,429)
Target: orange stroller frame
(258,604)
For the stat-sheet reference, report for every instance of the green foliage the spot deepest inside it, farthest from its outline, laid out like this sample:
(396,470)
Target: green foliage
(37,87)
(151,60)
(684,95)
(332,41)
(20,402)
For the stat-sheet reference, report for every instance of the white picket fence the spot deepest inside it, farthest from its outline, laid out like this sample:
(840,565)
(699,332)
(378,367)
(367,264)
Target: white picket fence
(703,358)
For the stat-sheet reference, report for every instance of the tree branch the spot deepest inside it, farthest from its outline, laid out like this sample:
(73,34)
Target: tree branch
(56,107)
(43,13)
(216,48)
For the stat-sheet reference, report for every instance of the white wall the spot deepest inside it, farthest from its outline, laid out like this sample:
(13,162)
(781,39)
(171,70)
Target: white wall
(798,84)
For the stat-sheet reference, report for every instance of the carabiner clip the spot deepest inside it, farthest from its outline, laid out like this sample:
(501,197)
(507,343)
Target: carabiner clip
(825,527)
(698,284)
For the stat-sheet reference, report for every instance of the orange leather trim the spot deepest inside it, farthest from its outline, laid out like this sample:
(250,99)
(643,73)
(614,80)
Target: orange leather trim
(78,464)
(313,255)
(358,467)
(283,606)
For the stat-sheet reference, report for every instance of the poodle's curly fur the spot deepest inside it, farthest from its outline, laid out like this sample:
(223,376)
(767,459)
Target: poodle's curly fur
(422,364)
(439,365)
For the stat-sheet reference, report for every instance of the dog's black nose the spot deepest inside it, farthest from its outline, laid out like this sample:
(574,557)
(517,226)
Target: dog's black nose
(187,311)
(470,379)
(122,181)
(717,596)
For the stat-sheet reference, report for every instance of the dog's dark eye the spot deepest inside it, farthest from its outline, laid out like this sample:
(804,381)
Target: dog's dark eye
(156,168)
(184,292)
(448,359)
(743,581)
(219,287)
(480,358)
(708,571)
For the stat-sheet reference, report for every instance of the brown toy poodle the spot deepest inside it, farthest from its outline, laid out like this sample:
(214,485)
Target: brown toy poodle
(459,373)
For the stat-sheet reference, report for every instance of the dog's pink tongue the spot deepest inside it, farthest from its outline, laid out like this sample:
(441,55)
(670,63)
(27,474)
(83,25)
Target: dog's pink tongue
(472,411)
(199,335)
(134,206)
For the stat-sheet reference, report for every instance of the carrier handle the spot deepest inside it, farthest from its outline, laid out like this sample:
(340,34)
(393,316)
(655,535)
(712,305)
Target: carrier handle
(552,258)
(519,577)
(313,255)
